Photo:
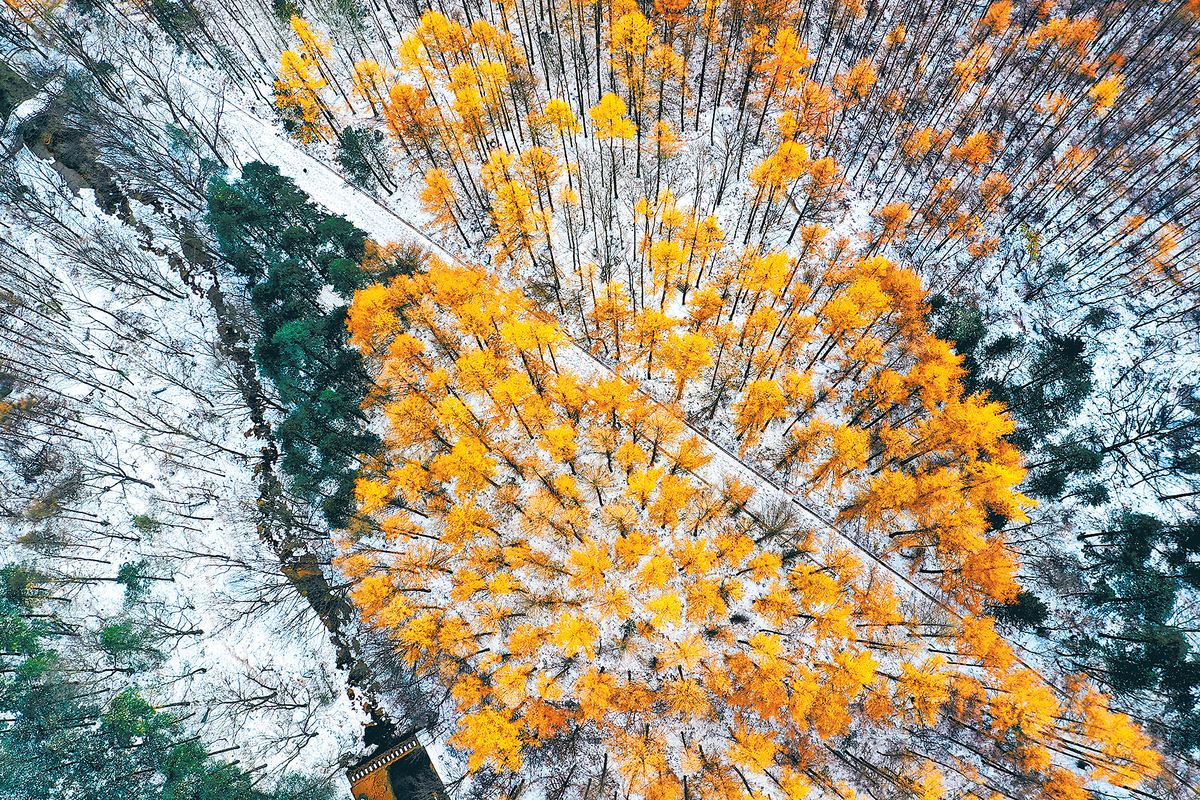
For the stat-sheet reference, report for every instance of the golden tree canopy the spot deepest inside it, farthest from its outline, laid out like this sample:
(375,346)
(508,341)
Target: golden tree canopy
(561,552)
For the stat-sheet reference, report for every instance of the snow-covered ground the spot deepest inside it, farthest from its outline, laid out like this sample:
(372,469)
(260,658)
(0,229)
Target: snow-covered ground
(172,458)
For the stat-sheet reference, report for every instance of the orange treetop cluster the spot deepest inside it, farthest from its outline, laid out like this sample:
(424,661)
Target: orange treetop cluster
(550,543)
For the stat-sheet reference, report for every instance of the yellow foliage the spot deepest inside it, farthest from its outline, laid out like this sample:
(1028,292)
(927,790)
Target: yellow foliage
(1104,93)
(491,737)
(610,120)
(563,551)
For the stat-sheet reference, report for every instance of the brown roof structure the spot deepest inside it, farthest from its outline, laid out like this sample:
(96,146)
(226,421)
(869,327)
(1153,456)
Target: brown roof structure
(401,772)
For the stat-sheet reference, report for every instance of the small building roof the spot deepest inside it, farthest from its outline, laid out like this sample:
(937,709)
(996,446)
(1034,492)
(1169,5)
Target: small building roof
(403,771)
